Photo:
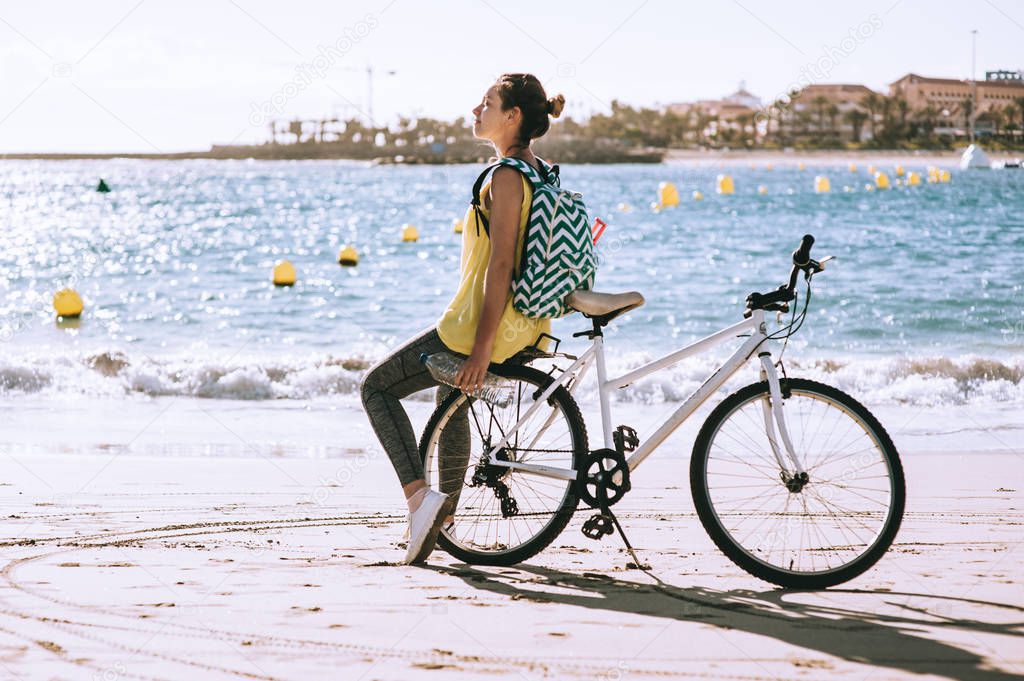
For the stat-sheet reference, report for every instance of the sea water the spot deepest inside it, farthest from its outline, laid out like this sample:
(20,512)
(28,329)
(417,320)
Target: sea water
(922,306)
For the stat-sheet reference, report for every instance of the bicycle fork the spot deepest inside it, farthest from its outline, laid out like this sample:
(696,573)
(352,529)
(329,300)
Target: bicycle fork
(773,411)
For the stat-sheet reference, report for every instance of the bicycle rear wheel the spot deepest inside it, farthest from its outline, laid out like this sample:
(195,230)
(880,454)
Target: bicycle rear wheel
(504,516)
(822,533)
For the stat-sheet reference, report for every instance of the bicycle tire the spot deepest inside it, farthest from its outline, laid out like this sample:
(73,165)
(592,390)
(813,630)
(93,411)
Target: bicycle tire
(745,558)
(561,517)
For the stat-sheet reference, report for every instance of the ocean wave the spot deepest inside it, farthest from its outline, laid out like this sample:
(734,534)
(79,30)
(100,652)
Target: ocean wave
(926,381)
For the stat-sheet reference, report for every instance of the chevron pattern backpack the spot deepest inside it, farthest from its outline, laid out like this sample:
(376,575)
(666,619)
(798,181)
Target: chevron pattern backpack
(558,252)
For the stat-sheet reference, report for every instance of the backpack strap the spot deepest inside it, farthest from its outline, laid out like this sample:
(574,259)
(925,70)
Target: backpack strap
(475,202)
(529,172)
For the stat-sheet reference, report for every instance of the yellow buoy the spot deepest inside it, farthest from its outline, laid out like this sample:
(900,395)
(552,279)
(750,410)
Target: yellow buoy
(697,196)
(801,166)
(284,274)
(822,185)
(853,167)
(768,166)
(668,195)
(881,180)
(871,170)
(67,303)
(762,190)
(899,171)
(348,257)
(457,226)
(725,184)
(913,179)
(945,176)
(410,233)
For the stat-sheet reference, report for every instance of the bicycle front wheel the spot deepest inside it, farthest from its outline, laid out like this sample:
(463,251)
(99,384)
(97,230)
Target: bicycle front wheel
(824,532)
(504,516)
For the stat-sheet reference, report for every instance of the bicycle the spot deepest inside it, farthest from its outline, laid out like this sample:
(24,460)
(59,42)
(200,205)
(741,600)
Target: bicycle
(795,481)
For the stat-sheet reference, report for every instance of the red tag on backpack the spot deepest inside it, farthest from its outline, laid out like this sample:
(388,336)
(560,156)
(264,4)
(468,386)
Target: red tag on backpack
(598,229)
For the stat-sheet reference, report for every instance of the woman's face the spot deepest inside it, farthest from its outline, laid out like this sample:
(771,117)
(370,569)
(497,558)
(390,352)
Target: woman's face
(489,121)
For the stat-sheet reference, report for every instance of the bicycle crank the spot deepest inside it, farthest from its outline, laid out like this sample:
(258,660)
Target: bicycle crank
(603,479)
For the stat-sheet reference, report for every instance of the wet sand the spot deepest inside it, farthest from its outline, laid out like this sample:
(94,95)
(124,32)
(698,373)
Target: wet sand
(271,568)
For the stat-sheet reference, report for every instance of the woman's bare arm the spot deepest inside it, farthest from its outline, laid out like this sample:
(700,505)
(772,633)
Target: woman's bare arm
(506,206)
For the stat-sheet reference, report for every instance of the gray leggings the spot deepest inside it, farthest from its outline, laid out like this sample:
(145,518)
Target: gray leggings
(400,375)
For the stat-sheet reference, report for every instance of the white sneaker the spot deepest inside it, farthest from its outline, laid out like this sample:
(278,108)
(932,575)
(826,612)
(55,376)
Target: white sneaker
(424,524)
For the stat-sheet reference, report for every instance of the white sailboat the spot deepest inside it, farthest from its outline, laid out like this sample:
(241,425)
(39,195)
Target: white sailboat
(974,157)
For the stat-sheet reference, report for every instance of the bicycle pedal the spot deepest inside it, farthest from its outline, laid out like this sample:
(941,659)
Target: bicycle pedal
(597,526)
(626,439)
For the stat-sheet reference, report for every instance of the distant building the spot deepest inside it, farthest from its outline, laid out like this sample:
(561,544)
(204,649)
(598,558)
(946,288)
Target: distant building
(727,108)
(732,111)
(947,95)
(844,97)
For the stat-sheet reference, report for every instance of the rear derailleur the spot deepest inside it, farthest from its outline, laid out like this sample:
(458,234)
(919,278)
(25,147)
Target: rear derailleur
(486,473)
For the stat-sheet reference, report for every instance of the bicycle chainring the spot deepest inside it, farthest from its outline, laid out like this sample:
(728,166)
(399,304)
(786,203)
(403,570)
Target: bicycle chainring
(603,479)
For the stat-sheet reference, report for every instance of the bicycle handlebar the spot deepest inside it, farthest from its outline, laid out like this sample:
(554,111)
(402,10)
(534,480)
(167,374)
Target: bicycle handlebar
(801,260)
(802,255)
(778,299)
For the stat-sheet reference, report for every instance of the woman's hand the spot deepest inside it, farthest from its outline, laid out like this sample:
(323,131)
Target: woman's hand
(470,375)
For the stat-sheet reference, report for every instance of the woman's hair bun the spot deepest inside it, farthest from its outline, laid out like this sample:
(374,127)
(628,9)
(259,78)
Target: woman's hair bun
(555,105)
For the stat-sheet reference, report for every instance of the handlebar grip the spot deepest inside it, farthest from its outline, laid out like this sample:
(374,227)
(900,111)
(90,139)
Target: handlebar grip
(802,255)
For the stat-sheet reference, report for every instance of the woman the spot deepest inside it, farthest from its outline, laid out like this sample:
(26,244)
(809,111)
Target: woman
(480,322)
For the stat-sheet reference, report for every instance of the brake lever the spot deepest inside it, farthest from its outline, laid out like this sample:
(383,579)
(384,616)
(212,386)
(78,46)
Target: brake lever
(815,266)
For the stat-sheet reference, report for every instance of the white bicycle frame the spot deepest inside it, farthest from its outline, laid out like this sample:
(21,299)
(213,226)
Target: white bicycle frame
(753,327)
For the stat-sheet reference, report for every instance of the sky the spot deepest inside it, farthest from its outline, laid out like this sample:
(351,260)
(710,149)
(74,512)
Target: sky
(165,76)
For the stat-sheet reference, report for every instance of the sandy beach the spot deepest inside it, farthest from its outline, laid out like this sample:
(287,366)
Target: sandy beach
(121,564)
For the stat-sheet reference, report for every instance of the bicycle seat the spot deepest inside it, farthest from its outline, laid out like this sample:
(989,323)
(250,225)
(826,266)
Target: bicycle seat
(607,306)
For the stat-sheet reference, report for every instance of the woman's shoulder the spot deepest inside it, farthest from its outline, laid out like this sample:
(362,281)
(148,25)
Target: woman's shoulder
(506,177)
(507,183)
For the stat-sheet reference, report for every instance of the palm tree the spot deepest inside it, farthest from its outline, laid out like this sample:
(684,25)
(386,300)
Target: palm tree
(871,102)
(820,104)
(928,117)
(803,122)
(995,114)
(746,123)
(886,105)
(783,112)
(1010,111)
(856,118)
(902,108)
(795,116)
(833,113)
(967,106)
(1019,103)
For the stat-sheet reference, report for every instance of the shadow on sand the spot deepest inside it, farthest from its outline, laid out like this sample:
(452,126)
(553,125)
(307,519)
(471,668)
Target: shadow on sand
(899,640)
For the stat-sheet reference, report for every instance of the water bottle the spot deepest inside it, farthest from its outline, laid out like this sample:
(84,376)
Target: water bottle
(443,366)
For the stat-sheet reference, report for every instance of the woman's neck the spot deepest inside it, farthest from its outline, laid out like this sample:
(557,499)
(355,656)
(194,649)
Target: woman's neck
(517,150)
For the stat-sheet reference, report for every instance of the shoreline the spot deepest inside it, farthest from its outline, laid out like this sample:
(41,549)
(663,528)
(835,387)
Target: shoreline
(811,157)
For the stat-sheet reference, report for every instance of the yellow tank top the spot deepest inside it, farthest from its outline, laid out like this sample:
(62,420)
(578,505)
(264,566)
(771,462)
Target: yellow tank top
(457,326)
